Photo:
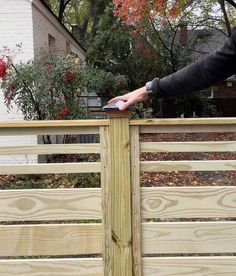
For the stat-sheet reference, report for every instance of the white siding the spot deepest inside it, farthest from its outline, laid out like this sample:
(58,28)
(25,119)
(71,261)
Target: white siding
(44,23)
(16,27)
(28,22)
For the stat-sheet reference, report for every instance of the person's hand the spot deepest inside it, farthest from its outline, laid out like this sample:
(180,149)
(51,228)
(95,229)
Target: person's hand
(131,98)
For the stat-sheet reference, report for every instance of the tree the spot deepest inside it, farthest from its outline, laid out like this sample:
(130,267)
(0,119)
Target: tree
(153,18)
(49,87)
(85,14)
(59,7)
(160,23)
(111,34)
(134,12)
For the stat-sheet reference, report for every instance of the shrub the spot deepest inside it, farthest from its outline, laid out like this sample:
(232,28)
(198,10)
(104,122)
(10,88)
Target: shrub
(49,87)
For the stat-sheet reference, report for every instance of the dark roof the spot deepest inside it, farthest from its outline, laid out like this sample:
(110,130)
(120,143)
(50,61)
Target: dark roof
(44,3)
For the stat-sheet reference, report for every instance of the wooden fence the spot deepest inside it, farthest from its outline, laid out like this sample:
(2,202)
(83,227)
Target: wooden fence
(130,240)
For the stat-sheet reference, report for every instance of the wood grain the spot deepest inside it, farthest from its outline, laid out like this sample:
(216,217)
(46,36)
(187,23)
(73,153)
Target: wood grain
(53,123)
(190,266)
(188,202)
(106,200)
(189,237)
(52,267)
(219,146)
(136,208)
(49,149)
(187,128)
(50,239)
(49,168)
(186,125)
(185,121)
(52,130)
(199,165)
(50,204)
(120,182)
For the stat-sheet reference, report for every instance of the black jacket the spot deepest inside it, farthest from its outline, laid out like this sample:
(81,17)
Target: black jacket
(201,74)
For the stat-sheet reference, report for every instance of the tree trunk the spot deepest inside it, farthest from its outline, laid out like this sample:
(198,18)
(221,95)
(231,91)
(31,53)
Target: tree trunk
(227,23)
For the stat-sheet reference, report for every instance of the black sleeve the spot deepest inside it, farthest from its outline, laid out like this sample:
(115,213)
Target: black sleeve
(201,74)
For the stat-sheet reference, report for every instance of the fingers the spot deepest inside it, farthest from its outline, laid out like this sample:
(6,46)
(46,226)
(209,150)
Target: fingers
(125,105)
(122,98)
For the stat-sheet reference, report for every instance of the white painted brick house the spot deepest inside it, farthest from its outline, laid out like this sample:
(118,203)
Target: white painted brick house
(31,23)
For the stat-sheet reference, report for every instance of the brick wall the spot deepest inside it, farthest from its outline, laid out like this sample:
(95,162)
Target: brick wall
(225,90)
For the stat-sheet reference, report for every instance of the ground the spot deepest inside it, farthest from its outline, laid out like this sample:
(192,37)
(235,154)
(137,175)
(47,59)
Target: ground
(189,178)
(147,179)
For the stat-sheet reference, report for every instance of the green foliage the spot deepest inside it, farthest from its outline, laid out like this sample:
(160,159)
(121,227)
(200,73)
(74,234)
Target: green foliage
(46,88)
(142,111)
(50,181)
(112,46)
(50,86)
(111,43)
(198,105)
(104,83)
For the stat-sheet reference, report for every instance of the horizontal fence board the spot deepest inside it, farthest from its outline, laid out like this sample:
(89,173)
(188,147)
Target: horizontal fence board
(187,128)
(189,266)
(189,237)
(188,202)
(50,204)
(218,146)
(199,165)
(189,125)
(54,123)
(52,267)
(50,239)
(185,121)
(50,168)
(48,130)
(49,149)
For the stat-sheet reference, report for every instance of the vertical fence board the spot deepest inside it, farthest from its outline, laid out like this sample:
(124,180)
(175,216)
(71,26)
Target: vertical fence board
(106,200)
(121,194)
(136,210)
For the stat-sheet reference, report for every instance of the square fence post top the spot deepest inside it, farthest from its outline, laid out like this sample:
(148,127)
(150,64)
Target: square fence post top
(119,114)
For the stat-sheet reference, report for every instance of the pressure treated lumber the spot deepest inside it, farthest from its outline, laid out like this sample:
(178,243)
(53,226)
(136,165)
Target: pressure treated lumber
(199,165)
(49,149)
(53,123)
(45,168)
(189,266)
(106,200)
(136,201)
(189,237)
(50,239)
(52,267)
(50,204)
(188,202)
(120,182)
(217,146)
(185,121)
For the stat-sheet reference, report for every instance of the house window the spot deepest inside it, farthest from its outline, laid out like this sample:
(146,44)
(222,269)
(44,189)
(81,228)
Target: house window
(51,42)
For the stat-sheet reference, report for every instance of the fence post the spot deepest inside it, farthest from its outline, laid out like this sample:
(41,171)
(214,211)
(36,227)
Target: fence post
(120,194)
